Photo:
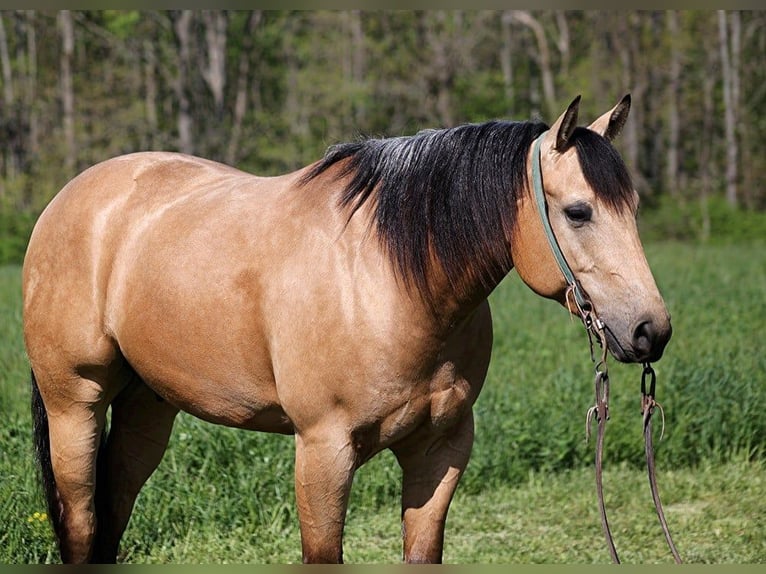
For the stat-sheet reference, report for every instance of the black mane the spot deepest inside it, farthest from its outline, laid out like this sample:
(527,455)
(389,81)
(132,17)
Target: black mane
(453,192)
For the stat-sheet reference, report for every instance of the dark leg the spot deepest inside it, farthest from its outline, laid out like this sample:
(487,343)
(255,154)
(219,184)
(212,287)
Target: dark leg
(140,429)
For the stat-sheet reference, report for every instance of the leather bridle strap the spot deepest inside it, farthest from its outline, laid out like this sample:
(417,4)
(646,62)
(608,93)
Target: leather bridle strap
(594,326)
(600,411)
(648,404)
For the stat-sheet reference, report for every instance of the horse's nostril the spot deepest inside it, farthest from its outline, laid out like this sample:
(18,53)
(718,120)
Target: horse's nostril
(643,337)
(649,341)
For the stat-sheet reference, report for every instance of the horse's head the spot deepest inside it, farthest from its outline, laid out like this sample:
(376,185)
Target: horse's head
(591,207)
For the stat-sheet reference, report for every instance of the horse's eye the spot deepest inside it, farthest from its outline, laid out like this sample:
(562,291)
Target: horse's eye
(578,213)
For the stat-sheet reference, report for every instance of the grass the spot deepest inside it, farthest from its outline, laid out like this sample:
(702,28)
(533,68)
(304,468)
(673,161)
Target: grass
(223,495)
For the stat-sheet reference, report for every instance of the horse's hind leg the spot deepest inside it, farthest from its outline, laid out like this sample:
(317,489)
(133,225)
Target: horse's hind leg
(141,424)
(432,465)
(75,421)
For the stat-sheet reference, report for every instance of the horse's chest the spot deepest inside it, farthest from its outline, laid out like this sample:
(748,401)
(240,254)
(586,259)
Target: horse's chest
(437,402)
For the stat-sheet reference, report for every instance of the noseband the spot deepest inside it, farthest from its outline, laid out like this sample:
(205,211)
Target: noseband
(578,302)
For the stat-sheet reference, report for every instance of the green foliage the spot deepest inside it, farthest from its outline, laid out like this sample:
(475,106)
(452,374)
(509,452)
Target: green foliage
(309,79)
(527,495)
(15,229)
(707,219)
(121,23)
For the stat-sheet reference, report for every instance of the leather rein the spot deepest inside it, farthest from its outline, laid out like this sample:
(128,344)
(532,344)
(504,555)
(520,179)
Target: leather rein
(578,301)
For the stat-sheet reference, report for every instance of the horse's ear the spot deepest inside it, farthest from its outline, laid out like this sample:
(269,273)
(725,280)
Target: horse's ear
(611,123)
(565,125)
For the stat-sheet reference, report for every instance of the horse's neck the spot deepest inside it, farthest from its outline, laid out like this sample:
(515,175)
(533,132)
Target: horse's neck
(447,305)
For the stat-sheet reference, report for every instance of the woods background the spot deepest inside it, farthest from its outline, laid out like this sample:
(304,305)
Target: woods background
(268,91)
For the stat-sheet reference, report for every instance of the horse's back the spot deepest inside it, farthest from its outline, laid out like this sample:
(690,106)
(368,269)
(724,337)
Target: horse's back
(88,225)
(145,182)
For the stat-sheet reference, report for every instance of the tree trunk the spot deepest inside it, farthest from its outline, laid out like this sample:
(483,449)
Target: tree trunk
(674,84)
(294,108)
(729,109)
(214,74)
(7,113)
(543,58)
(434,24)
(5,65)
(626,51)
(182,29)
(506,62)
(66,28)
(150,95)
(243,77)
(30,89)
(736,99)
(706,144)
(563,41)
(358,64)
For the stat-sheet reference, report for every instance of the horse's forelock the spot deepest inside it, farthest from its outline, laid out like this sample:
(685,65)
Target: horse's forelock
(603,169)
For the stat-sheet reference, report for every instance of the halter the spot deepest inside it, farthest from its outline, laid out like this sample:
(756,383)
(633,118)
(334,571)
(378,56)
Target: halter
(594,326)
(537,182)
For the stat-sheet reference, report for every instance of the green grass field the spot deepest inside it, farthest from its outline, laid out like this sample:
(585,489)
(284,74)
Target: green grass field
(528,496)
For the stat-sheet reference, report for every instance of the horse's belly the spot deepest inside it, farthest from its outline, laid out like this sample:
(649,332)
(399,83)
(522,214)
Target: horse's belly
(234,407)
(243,402)
(202,356)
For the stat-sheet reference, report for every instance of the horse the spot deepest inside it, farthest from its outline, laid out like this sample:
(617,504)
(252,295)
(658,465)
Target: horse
(344,303)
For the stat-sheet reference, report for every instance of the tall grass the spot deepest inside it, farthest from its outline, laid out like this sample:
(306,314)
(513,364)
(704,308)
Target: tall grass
(231,492)
(531,414)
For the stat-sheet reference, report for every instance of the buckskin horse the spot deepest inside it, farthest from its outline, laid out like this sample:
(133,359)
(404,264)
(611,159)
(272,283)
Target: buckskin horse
(344,303)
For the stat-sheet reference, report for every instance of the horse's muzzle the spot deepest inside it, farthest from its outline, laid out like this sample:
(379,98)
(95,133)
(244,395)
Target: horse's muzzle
(646,344)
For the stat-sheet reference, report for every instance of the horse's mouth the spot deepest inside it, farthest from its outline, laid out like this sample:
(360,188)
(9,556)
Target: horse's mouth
(618,351)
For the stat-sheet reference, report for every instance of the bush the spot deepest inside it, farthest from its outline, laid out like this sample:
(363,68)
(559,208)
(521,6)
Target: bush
(15,229)
(713,220)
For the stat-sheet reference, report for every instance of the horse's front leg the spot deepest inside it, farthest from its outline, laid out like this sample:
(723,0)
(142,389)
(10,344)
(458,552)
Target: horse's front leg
(432,465)
(325,462)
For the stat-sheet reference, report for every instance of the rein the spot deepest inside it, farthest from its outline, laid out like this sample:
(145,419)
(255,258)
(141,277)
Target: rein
(600,410)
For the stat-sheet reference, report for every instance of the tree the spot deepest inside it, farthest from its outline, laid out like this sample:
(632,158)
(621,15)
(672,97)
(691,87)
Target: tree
(543,58)
(214,72)
(730,50)
(243,81)
(182,22)
(674,86)
(9,163)
(270,90)
(66,29)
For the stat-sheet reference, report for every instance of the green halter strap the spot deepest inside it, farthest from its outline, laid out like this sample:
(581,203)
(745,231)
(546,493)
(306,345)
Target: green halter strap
(537,183)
